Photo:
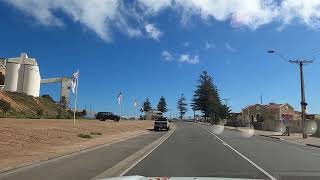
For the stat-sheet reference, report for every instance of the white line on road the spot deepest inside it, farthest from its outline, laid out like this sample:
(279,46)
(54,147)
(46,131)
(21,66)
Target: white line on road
(244,157)
(130,162)
(144,156)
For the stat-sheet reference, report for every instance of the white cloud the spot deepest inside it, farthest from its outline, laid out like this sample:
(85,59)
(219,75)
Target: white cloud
(187,44)
(102,16)
(249,13)
(153,32)
(95,15)
(230,48)
(167,55)
(154,6)
(189,59)
(209,45)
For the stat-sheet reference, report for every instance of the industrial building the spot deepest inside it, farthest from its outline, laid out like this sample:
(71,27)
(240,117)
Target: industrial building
(22,74)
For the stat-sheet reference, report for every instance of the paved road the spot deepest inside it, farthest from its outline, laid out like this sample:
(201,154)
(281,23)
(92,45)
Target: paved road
(193,151)
(86,165)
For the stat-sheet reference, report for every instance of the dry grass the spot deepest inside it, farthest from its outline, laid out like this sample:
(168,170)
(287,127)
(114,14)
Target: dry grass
(23,140)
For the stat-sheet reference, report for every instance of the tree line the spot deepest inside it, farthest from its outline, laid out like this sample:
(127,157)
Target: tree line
(205,99)
(162,105)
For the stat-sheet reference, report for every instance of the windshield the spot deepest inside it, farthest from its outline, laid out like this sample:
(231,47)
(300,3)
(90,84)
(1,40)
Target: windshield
(93,89)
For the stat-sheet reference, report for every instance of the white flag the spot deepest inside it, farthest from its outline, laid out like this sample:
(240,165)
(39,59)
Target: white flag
(74,80)
(119,98)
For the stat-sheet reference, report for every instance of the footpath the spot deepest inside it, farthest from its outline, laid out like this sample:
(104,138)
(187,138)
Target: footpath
(293,138)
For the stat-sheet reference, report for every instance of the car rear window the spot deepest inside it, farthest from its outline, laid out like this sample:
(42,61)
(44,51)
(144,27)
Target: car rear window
(161,119)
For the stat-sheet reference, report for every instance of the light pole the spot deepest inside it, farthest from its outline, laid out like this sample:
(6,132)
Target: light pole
(300,62)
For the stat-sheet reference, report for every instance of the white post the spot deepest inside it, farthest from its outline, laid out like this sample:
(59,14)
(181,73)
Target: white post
(137,113)
(75,104)
(120,109)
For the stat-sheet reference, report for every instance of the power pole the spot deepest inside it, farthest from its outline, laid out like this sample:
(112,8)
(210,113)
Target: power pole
(300,62)
(303,101)
(226,100)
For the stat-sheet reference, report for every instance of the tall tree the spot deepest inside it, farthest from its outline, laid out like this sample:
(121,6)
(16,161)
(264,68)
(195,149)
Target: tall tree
(162,105)
(206,98)
(225,112)
(182,106)
(146,106)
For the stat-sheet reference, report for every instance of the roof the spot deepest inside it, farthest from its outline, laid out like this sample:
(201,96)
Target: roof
(274,106)
(270,105)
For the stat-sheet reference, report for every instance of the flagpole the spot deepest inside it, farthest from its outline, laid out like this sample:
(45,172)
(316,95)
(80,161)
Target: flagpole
(120,109)
(75,104)
(136,113)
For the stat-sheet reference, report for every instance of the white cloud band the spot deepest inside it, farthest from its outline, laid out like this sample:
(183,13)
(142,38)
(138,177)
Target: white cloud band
(101,16)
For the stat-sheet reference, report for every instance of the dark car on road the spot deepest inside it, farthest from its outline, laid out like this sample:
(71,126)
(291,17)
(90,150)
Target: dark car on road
(102,116)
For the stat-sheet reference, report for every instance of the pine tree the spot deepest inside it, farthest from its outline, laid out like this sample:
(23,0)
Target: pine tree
(206,98)
(146,106)
(162,105)
(225,112)
(182,106)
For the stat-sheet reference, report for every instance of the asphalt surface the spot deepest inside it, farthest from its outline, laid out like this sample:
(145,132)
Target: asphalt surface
(193,150)
(83,166)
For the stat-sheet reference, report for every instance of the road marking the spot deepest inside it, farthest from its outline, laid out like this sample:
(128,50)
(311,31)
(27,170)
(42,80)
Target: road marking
(244,157)
(130,162)
(134,164)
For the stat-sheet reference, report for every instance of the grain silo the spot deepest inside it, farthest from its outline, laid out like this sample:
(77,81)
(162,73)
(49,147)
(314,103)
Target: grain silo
(12,74)
(22,75)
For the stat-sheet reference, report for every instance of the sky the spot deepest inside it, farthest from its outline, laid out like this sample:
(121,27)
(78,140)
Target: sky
(154,48)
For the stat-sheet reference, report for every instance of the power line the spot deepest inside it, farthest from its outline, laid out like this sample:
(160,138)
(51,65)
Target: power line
(300,62)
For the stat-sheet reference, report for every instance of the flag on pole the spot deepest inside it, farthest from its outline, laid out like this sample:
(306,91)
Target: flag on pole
(135,104)
(119,98)
(74,81)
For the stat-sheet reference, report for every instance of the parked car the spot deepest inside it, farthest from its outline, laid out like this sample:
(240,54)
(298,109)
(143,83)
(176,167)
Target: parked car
(161,123)
(102,116)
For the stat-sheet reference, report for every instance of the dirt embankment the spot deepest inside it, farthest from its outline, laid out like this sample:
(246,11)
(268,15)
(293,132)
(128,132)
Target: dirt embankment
(24,106)
(23,141)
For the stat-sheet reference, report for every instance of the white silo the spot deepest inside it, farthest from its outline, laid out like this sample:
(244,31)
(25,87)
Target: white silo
(12,74)
(24,77)
(31,81)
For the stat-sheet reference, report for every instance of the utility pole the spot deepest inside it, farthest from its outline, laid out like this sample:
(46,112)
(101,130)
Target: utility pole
(303,101)
(226,100)
(300,62)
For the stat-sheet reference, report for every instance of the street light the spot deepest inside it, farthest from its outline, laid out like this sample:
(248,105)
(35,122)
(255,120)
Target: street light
(300,62)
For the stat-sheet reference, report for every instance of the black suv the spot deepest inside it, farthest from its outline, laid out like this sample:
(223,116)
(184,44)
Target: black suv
(102,116)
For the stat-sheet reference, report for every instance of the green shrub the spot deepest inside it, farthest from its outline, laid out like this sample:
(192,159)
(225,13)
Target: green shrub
(4,106)
(84,136)
(40,112)
(48,97)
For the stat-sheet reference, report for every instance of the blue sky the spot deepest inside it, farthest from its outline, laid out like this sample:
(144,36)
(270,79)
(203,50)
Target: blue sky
(158,48)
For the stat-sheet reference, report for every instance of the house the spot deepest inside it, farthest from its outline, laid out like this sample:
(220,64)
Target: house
(270,116)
